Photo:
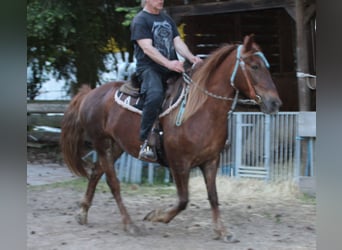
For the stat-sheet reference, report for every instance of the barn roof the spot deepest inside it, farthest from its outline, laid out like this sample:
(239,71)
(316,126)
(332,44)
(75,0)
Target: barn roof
(179,8)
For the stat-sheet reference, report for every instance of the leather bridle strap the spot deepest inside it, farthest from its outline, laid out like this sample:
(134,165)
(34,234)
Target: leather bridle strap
(240,62)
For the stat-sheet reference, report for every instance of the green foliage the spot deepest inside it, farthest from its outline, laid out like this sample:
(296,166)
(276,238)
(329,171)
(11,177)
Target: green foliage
(44,20)
(130,12)
(66,38)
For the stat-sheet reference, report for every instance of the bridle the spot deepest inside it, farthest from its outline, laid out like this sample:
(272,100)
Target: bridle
(239,62)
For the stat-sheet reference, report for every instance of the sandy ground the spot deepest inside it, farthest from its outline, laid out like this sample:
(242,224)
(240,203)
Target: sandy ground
(262,216)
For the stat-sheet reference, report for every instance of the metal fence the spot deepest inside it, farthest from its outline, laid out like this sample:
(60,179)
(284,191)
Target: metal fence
(259,146)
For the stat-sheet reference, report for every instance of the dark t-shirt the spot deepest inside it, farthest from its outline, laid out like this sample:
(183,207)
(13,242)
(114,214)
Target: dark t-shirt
(161,29)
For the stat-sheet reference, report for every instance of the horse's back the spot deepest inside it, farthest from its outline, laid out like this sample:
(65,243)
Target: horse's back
(96,104)
(101,95)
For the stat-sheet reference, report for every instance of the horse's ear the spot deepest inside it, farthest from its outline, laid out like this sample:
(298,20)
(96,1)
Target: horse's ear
(248,42)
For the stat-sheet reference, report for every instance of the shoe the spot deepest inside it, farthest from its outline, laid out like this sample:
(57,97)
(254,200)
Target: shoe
(146,152)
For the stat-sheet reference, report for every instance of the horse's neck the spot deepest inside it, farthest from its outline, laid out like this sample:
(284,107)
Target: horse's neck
(216,107)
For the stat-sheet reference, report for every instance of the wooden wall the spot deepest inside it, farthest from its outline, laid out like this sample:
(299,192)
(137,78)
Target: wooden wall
(275,32)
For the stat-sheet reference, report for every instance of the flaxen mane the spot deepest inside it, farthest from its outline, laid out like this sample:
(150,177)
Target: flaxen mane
(196,96)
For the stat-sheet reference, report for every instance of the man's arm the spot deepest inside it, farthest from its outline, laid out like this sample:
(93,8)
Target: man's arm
(155,55)
(184,51)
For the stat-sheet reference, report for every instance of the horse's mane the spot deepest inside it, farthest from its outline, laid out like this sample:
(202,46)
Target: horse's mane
(201,76)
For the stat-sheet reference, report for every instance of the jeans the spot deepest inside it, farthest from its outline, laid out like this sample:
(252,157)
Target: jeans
(153,93)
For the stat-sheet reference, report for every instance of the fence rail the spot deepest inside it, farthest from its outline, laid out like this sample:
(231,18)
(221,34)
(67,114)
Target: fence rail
(44,107)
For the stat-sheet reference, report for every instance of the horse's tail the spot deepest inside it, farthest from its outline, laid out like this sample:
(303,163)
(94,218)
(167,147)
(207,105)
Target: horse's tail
(72,136)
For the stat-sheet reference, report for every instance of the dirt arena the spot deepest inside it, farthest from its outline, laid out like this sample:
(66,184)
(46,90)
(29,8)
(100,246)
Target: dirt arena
(262,216)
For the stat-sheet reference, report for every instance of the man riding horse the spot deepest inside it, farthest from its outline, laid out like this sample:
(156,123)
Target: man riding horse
(156,41)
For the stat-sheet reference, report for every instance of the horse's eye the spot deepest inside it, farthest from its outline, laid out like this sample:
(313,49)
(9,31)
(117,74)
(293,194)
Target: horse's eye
(255,67)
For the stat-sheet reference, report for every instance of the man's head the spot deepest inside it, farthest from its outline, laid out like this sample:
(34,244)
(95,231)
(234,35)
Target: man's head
(152,6)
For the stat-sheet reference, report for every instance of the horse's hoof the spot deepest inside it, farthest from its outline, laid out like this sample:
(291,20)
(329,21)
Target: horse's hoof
(134,230)
(150,216)
(81,218)
(230,238)
(154,216)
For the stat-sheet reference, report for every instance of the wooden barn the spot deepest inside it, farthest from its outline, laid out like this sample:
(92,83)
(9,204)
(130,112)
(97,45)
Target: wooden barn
(285,30)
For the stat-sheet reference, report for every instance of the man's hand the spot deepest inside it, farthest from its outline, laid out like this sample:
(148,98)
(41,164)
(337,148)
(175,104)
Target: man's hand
(176,66)
(196,59)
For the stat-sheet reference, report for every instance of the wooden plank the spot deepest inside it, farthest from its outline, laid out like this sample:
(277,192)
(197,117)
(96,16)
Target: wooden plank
(37,145)
(47,107)
(44,120)
(42,137)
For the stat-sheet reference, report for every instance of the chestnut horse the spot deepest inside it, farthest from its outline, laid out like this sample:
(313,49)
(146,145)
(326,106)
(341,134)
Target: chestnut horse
(196,142)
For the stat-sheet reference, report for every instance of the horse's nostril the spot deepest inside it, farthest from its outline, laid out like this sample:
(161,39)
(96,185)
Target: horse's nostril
(276,103)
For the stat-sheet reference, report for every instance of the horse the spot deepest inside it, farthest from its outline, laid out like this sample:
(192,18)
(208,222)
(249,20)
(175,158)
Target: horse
(214,88)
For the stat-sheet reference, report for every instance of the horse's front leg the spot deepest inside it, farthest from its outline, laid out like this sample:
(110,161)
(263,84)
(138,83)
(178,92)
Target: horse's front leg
(82,215)
(209,171)
(181,178)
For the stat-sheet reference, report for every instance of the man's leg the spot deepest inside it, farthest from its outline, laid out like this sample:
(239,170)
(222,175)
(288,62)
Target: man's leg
(152,89)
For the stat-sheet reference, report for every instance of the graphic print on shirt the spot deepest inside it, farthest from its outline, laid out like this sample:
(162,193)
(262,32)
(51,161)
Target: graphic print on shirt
(162,37)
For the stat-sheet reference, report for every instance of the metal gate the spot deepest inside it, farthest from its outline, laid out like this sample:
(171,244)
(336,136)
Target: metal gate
(261,146)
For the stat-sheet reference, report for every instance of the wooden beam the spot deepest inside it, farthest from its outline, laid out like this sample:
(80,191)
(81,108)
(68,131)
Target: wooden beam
(291,11)
(44,120)
(47,107)
(302,57)
(226,7)
(37,137)
(309,12)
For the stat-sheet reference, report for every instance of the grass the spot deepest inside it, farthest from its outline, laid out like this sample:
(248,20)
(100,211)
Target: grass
(307,199)
(80,185)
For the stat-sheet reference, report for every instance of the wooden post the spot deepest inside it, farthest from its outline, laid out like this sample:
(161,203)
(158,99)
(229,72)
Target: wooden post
(302,57)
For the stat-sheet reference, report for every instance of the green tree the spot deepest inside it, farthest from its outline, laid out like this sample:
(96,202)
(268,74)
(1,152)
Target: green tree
(70,39)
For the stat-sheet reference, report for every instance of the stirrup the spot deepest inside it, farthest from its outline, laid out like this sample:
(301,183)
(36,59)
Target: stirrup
(146,152)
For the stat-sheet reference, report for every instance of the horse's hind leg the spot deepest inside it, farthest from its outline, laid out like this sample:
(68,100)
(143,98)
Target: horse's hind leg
(82,216)
(106,161)
(95,176)
(209,171)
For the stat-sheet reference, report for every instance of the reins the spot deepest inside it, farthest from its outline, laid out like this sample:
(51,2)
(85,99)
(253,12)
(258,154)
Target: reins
(239,62)
(235,100)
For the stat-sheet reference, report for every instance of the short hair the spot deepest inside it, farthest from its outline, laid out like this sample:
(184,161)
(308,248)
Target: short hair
(143,3)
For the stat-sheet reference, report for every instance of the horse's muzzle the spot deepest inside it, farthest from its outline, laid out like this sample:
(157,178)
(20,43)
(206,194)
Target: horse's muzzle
(271,105)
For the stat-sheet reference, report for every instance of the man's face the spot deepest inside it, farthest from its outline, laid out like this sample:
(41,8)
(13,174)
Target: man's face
(156,5)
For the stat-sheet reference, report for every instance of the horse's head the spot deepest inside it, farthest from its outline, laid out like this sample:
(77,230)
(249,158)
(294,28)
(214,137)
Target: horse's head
(255,79)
